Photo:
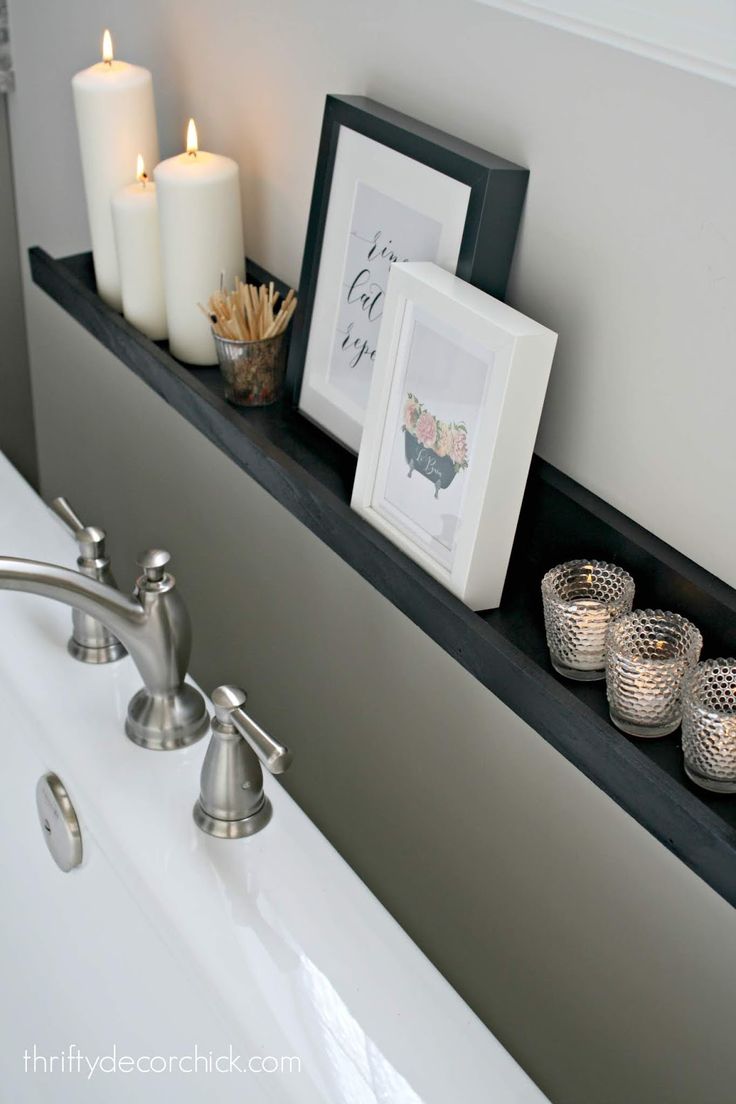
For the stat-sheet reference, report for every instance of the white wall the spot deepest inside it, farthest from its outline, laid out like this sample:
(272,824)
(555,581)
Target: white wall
(601,962)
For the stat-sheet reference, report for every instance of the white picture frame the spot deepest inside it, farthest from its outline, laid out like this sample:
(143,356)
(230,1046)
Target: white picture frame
(458,387)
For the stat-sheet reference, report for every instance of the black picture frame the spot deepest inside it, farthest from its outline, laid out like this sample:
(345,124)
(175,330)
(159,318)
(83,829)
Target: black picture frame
(497,191)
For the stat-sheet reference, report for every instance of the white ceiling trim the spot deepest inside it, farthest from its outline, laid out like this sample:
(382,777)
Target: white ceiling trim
(696,35)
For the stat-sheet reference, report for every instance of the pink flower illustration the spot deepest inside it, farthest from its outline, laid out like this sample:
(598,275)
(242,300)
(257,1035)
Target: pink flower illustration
(411,412)
(444,439)
(459,451)
(426,430)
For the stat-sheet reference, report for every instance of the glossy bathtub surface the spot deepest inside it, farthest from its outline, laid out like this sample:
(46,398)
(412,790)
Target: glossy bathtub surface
(168,938)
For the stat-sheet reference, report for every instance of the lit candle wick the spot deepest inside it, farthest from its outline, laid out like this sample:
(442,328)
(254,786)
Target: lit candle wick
(192,141)
(107,54)
(140,171)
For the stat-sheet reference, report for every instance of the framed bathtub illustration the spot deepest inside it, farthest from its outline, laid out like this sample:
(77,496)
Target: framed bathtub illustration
(457,392)
(387,188)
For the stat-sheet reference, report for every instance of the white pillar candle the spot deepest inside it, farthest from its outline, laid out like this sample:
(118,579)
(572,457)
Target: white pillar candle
(135,221)
(201,229)
(116,119)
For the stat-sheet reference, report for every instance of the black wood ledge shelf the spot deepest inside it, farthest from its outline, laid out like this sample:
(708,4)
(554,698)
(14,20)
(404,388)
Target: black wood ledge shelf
(312,476)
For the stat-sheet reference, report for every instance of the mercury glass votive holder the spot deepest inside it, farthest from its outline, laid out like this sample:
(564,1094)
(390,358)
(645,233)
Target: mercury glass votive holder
(709,725)
(581,598)
(648,655)
(253,371)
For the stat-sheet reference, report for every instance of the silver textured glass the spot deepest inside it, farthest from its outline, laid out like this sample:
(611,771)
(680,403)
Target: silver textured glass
(709,725)
(648,655)
(581,598)
(253,371)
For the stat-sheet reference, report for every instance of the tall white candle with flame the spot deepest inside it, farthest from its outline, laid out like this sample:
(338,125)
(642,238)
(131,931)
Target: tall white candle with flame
(116,119)
(135,221)
(201,230)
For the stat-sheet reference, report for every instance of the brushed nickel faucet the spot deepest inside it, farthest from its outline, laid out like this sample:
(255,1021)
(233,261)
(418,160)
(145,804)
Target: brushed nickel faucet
(232,803)
(152,624)
(90,641)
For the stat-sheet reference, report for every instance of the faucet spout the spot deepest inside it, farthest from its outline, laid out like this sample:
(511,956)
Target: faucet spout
(121,614)
(154,626)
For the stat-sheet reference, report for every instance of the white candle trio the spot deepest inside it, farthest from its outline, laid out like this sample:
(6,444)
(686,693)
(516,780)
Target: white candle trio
(159,249)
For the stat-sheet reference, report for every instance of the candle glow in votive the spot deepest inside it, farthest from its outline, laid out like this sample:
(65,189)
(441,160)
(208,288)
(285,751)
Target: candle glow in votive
(709,725)
(648,655)
(581,598)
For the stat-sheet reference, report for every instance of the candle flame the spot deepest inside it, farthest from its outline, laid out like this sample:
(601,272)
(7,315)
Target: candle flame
(192,144)
(140,170)
(107,54)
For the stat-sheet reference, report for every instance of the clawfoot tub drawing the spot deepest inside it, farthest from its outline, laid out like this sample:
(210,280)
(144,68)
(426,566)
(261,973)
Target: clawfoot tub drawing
(440,470)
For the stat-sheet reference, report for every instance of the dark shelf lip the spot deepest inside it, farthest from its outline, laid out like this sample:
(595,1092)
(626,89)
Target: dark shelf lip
(311,477)
(655,546)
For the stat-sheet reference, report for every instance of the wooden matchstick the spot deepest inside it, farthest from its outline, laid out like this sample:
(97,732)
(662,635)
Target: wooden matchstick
(248,313)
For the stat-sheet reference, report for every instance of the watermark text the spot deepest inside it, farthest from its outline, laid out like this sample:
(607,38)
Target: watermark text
(75,1062)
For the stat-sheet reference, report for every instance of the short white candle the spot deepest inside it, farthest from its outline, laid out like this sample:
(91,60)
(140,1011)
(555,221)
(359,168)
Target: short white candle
(201,230)
(135,220)
(116,119)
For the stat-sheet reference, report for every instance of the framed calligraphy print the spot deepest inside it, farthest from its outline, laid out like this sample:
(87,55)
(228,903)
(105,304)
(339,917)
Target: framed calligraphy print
(387,188)
(454,407)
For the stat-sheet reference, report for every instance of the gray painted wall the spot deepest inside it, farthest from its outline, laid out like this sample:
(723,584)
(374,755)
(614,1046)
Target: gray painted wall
(602,963)
(17,438)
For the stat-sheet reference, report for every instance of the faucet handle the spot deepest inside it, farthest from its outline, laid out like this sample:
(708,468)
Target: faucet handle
(231,802)
(90,538)
(228,702)
(63,510)
(90,641)
(154,562)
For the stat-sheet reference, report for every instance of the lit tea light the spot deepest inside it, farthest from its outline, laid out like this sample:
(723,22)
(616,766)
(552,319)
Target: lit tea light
(648,655)
(709,725)
(591,619)
(581,598)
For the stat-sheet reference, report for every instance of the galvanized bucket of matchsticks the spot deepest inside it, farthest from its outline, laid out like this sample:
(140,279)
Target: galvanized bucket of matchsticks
(253,371)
